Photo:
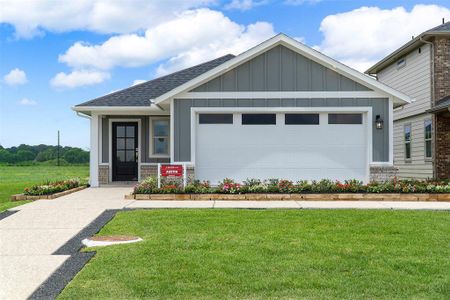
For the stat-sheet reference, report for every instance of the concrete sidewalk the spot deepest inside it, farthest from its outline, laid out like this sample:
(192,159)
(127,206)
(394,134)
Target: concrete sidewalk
(30,236)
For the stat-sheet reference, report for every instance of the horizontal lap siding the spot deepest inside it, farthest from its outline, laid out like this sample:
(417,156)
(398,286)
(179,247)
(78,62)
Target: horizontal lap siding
(182,118)
(280,69)
(414,79)
(418,167)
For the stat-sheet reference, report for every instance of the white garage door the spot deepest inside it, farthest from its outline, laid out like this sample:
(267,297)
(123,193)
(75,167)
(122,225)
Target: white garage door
(293,146)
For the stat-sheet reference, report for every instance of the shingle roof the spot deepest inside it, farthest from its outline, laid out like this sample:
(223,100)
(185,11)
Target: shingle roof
(140,94)
(409,46)
(441,105)
(443,27)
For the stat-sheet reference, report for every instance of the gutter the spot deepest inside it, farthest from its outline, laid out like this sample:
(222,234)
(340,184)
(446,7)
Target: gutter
(80,114)
(432,66)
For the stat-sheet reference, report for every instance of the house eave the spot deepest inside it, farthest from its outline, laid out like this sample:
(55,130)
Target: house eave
(117,110)
(403,50)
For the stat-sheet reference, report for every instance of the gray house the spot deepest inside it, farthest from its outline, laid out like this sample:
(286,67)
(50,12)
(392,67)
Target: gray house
(278,110)
(421,69)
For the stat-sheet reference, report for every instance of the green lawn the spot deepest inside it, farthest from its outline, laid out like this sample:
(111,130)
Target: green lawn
(13,179)
(254,254)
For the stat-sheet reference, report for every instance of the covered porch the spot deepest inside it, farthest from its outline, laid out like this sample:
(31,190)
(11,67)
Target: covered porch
(127,146)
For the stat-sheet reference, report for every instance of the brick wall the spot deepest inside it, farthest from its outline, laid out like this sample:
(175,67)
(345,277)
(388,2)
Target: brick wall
(382,173)
(103,174)
(442,120)
(441,67)
(442,146)
(148,170)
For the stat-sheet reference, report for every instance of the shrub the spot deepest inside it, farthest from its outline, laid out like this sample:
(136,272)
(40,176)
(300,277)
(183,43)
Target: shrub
(52,187)
(198,187)
(229,186)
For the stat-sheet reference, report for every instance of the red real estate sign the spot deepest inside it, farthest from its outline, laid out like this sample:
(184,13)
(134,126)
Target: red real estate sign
(172,170)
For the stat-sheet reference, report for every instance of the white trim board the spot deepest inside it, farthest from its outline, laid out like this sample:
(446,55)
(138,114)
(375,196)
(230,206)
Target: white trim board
(366,111)
(110,144)
(121,110)
(281,39)
(280,95)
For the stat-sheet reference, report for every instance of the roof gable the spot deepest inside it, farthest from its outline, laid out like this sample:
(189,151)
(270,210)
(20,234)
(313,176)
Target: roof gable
(281,39)
(280,69)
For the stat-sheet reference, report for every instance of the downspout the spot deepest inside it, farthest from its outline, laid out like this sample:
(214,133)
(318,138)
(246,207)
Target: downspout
(432,103)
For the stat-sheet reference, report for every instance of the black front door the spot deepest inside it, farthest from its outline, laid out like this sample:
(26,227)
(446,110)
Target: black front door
(125,151)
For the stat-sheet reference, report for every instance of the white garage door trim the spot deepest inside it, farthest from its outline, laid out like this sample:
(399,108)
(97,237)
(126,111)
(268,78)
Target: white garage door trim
(366,111)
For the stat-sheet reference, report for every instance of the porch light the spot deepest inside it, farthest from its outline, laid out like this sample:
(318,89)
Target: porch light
(379,122)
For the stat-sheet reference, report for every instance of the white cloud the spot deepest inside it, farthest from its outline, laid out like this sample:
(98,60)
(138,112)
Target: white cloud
(193,37)
(363,36)
(27,102)
(30,18)
(78,78)
(244,4)
(15,77)
(138,81)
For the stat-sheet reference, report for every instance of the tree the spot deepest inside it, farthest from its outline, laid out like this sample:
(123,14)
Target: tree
(24,155)
(45,155)
(76,156)
(5,156)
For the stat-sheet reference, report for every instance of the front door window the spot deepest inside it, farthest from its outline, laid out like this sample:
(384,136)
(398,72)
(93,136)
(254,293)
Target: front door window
(125,151)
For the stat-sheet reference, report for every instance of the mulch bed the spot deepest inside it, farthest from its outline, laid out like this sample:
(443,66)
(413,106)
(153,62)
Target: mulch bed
(19,197)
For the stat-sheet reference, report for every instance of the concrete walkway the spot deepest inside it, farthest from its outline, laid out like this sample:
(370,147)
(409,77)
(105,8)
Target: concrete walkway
(29,237)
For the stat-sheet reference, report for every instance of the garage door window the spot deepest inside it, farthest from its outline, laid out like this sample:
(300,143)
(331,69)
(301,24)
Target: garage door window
(215,118)
(301,119)
(344,118)
(259,119)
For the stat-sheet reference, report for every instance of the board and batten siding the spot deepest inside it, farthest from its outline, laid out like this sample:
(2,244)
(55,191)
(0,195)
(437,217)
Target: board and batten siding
(182,118)
(414,79)
(418,166)
(280,69)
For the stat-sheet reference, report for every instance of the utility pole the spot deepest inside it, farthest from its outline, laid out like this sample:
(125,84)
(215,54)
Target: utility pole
(57,150)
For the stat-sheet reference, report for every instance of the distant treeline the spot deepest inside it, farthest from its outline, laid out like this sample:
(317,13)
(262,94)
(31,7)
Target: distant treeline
(43,153)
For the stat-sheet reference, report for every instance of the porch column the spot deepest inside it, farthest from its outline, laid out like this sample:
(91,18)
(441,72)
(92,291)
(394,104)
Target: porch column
(93,160)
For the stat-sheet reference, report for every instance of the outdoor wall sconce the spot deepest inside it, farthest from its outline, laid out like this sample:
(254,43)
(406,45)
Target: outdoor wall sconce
(379,122)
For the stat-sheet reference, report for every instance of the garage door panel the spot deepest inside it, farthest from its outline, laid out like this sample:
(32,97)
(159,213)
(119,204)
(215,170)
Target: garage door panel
(293,152)
(279,156)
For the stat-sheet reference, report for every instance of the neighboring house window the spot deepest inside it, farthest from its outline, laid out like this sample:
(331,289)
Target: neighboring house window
(428,130)
(401,63)
(159,140)
(407,142)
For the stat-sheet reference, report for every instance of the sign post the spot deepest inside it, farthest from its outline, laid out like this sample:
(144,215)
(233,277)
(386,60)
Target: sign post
(171,171)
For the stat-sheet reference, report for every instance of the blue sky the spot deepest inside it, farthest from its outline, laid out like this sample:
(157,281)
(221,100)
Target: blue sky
(52,58)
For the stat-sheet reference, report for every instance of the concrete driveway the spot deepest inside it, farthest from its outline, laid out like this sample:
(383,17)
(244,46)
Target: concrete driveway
(30,237)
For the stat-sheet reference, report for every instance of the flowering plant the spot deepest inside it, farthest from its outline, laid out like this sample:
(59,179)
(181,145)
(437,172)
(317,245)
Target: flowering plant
(52,187)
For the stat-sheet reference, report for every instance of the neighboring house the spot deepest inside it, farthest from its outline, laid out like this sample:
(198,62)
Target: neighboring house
(278,110)
(421,69)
